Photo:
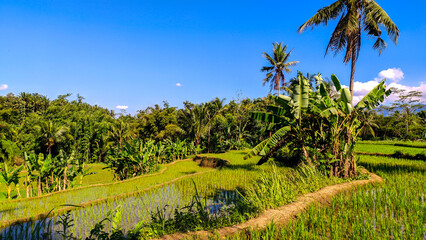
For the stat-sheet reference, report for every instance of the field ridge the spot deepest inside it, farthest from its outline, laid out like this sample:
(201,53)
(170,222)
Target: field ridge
(279,215)
(100,184)
(63,210)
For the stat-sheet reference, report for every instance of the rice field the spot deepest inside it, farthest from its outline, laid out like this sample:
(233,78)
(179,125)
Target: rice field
(395,209)
(388,148)
(210,182)
(10,210)
(419,144)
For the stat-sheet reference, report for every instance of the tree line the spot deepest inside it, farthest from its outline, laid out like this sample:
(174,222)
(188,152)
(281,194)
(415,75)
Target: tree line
(32,123)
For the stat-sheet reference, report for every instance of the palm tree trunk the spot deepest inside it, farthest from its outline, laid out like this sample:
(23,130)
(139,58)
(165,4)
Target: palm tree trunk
(277,83)
(406,130)
(351,84)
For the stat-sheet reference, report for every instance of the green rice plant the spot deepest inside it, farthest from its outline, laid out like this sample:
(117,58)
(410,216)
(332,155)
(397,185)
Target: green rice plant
(367,147)
(276,187)
(199,213)
(414,144)
(241,171)
(10,210)
(395,209)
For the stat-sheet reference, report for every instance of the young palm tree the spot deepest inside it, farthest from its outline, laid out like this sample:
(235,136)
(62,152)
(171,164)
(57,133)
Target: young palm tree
(355,16)
(278,64)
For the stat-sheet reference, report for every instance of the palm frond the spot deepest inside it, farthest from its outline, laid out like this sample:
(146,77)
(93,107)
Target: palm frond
(383,19)
(323,15)
(380,44)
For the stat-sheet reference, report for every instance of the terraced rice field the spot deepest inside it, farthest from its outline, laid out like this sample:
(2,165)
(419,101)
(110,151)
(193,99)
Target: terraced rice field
(10,210)
(139,203)
(395,209)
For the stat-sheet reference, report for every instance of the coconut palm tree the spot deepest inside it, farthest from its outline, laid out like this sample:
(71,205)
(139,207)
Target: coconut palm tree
(52,133)
(277,66)
(355,16)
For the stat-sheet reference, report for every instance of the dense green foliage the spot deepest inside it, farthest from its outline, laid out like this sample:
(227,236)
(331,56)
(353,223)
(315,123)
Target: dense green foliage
(32,123)
(318,129)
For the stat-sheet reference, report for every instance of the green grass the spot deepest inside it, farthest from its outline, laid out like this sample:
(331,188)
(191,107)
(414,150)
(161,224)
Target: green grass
(387,148)
(417,144)
(395,209)
(101,175)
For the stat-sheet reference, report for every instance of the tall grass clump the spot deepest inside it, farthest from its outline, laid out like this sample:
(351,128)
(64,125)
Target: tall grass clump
(276,187)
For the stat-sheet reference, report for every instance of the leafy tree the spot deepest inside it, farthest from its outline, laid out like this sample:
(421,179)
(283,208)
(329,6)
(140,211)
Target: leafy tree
(278,64)
(158,123)
(355,16)
(119,132)
(405,108)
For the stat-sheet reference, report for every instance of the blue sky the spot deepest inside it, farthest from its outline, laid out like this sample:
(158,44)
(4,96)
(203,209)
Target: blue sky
(133,53)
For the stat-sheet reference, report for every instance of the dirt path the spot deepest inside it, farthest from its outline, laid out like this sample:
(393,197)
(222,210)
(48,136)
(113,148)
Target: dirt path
(280,215)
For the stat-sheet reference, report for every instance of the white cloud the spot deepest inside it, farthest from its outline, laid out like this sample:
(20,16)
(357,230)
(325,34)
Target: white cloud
(179,84)
(421,88)
(122,107)
(3,86)
(362,88)
(392,74)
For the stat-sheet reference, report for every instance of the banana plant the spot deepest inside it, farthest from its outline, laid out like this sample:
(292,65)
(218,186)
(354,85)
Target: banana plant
(29,166)
(9,176)
(320,128)
(82,172)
